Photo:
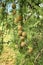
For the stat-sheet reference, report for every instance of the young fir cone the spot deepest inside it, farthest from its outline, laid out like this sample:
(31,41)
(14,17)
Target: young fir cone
(23,44)
(13,6)
(19,27)
(3,4)
(19,18)
(16,20)
(24,34)
(20,33)
(30,50)
(22,38)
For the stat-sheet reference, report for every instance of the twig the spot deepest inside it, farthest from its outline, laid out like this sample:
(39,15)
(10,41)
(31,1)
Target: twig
(39,54)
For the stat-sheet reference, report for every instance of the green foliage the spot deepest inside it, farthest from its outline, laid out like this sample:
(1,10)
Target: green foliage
(32,24)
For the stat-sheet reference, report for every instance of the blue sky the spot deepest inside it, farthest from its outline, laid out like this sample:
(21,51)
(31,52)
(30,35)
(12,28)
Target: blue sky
(10,7)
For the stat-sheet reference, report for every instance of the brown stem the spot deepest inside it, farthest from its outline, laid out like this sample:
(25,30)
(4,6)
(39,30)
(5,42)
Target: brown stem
(38,55)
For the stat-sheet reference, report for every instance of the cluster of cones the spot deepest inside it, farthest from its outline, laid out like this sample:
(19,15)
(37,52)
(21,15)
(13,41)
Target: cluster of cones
(21,33)
(22,36)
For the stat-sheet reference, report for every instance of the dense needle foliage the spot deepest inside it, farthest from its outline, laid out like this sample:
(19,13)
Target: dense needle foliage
(21,27)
